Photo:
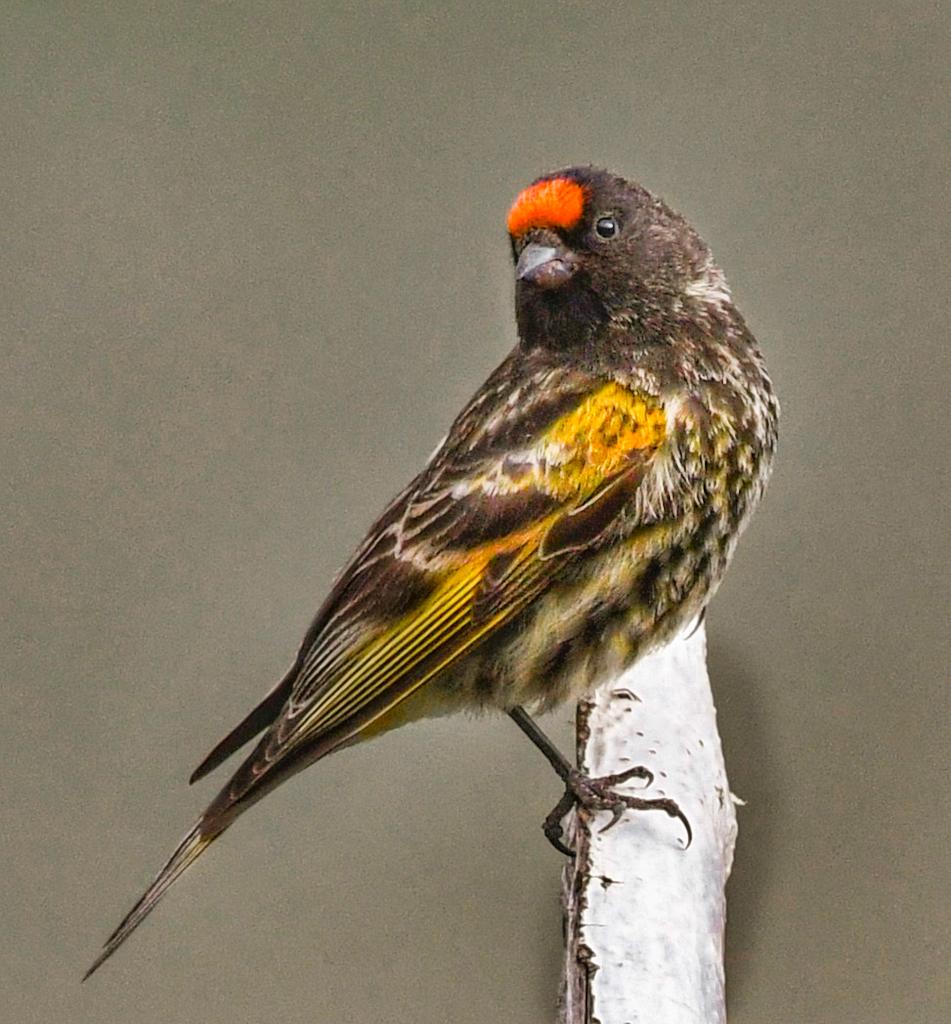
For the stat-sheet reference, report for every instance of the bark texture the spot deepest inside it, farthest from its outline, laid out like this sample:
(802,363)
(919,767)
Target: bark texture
(645,917)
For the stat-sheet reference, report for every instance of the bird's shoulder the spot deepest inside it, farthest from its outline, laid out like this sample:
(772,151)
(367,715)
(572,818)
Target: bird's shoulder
(542,426)
(536,441)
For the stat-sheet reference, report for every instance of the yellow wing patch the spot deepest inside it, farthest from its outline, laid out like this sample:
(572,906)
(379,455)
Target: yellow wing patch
(571,460)
(438,632)
(594,441)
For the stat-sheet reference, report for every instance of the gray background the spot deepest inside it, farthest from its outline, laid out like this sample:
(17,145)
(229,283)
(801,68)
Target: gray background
(253,261)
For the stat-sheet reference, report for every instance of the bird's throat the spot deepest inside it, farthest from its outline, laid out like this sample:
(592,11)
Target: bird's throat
(558,319)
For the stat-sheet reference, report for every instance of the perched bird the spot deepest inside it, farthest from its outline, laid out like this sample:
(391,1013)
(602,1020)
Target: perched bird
(581,510)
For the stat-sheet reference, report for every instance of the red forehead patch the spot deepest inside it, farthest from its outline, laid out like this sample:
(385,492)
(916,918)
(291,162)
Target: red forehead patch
(555,203)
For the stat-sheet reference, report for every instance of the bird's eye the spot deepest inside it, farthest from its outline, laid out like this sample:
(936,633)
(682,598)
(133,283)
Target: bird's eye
(606,227)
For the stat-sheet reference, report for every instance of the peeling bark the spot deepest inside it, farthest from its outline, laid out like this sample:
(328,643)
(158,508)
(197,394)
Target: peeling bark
(645,917)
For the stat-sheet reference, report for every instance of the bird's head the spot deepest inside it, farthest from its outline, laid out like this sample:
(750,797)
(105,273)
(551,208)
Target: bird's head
(594,251)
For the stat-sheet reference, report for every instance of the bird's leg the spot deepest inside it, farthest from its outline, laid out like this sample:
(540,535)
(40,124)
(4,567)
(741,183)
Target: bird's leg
(593,794)
(530,727)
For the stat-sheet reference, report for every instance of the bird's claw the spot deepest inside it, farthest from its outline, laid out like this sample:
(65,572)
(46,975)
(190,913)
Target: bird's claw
(552,825)
(599,795)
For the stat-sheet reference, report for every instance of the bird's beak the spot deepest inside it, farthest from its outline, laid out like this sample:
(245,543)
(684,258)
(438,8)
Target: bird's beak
(545,266)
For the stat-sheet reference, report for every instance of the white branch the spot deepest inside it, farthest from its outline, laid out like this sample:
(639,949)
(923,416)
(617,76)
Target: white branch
(645,917)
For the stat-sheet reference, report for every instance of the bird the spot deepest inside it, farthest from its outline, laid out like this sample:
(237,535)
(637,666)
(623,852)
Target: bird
(580,512)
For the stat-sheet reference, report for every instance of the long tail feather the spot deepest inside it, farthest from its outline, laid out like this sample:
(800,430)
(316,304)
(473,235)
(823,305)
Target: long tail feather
(188,851)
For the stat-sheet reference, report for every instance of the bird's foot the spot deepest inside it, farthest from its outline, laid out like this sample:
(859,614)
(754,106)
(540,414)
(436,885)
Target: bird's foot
(599,795)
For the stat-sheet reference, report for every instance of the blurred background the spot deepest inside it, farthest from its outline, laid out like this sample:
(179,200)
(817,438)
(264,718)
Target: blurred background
(253,262)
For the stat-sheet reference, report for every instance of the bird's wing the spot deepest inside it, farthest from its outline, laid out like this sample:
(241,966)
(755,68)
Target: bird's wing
(518,488)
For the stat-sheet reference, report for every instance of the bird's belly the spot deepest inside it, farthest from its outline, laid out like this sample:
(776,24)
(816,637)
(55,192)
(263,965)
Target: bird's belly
(593,623)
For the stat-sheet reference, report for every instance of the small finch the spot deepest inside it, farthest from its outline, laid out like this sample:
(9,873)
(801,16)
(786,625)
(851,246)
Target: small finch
(581,510)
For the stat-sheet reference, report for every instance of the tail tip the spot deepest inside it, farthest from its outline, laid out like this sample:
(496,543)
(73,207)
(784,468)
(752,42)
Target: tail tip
(96,964)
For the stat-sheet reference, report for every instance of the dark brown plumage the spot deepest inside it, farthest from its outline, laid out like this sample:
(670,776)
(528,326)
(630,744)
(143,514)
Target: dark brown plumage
(582,508)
